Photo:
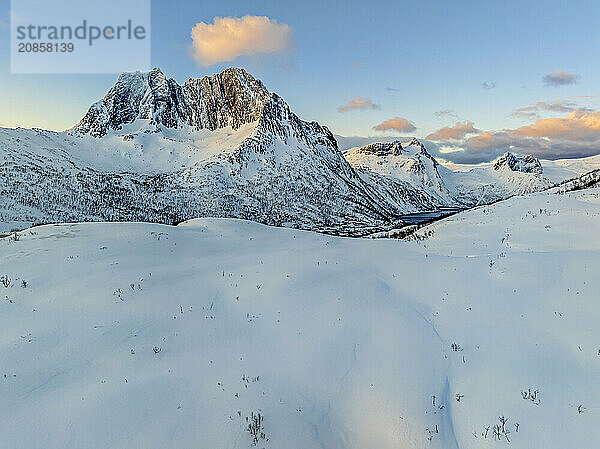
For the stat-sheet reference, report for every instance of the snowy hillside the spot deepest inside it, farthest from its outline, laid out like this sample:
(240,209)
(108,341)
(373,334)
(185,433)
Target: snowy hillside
(562,169)
(556,171)
(588,180)
(410,163)
(509,175)
(479,331)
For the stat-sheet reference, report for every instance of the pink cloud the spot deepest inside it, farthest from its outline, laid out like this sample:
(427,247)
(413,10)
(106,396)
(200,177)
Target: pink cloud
(396,123)
(456,131)
(358,104)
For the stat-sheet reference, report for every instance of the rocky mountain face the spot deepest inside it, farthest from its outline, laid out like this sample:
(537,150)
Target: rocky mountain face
(381,149)
(522,163)
(230,98)
(397,168)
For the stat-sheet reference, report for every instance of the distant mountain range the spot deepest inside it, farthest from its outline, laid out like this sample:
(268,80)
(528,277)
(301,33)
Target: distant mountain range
(224,146)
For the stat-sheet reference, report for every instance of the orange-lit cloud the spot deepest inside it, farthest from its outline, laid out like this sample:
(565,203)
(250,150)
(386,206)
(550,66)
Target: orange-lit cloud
(397,124)
(229,37)
(578,125)
(456,131)
(358,104)
(576,135)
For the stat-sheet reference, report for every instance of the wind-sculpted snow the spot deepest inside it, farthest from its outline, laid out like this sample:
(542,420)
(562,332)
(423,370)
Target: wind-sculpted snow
(478,332)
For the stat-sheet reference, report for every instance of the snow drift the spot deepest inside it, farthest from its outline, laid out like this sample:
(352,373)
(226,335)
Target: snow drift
(479,332)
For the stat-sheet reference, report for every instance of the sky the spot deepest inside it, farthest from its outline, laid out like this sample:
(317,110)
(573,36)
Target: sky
(471,78)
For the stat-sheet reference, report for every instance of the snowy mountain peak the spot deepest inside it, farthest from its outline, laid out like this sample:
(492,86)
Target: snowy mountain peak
(230,98)
(415,142)
(419,150)
(419,147)
(395,148)
(524,163)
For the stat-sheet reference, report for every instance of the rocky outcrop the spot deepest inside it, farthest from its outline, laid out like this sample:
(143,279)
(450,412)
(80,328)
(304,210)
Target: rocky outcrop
(524,163)
(382,149)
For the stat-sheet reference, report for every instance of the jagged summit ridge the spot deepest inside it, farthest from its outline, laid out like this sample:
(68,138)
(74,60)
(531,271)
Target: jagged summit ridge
(395,148)
(524,163)
(382,148)
(511,174)
(230,98)
(415,142)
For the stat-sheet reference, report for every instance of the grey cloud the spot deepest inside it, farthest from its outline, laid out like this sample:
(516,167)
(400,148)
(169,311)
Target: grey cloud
(560,78)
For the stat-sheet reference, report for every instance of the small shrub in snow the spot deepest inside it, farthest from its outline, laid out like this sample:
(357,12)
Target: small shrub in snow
(531,395)
(419,237)
(256,428)
(5,280)
(499,431)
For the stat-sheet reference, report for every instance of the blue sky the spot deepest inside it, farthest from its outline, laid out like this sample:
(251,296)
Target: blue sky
(434,55)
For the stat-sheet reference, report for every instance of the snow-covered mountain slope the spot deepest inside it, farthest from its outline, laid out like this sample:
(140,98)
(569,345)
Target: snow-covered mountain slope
(153,336)
(220,146)
(588,180)
(509,175)
(556,171)
(398,163)
(562,169)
